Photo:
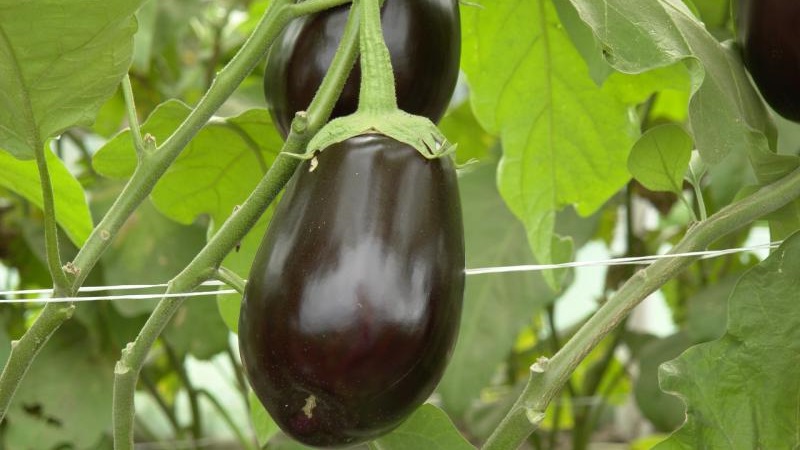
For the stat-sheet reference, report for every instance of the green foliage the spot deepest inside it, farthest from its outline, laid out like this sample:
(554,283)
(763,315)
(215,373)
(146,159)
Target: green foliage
(66,396)
(564,102)
(660,158)
(496,307)
(535,92)
(59,74)
(72,212)
(725,112)
(741,390)
(427,428)
(265,427)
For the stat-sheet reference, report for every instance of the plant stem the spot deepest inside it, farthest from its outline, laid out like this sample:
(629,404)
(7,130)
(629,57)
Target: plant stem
(57,274)
(204,265)
(149,172)
(377,92)
(230,278)
(241,384)
(246,443)
(133,120)
(162,404)
(543,386)
(191,392)
(25,350)
(555,345)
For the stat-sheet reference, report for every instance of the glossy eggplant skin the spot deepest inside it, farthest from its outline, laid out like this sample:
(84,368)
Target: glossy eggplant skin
(769,32)
(424,40)
(353,303)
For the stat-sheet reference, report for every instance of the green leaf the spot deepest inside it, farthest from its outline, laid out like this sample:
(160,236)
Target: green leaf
(741,391)
(264,426)
(726,114)
(117,158)
(72,212)
(65,398)
(219,168)
(565,140)
(496,306)
(460,127)
(428,428)
(198,329)
(661,157)
(58,64)
(213,174)
(664,411)
(148,249)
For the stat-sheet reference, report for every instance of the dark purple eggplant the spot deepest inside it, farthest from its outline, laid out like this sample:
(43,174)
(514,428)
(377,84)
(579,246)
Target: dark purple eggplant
(769,32)
(424,40)
(353,302)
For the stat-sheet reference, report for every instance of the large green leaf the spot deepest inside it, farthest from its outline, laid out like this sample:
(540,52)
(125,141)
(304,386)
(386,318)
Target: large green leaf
(741,391)
(219,168)
(565,139)
(725,112)
(664,411)
(213,174)
(59,62)
(117,158)
(65,399)
(72,212)
(428,428)
(496,306)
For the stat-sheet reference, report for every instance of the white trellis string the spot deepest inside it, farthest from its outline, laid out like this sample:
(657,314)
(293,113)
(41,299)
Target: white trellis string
(637,260)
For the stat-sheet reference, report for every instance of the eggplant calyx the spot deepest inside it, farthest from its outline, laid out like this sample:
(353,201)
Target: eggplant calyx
(415,131)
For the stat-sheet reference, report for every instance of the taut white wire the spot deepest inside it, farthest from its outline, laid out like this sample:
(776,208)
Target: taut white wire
(121,287)
(638,260)
(634,260)
(116,297)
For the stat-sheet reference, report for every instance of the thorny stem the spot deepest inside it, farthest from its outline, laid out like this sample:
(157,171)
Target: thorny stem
(545,384)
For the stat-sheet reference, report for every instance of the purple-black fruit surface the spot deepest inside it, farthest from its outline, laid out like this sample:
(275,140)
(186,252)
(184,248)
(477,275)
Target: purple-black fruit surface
(354,299)
(769,32)
(424,40)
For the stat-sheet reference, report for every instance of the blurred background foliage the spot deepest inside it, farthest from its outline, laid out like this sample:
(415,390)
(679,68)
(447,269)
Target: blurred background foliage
(192,393)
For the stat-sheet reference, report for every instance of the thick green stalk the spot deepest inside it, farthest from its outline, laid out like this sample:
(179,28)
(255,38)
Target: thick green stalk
(205,265)
(57,274)
(24,350)
(133,120)
(149,171)
(549,377)
(377,92)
